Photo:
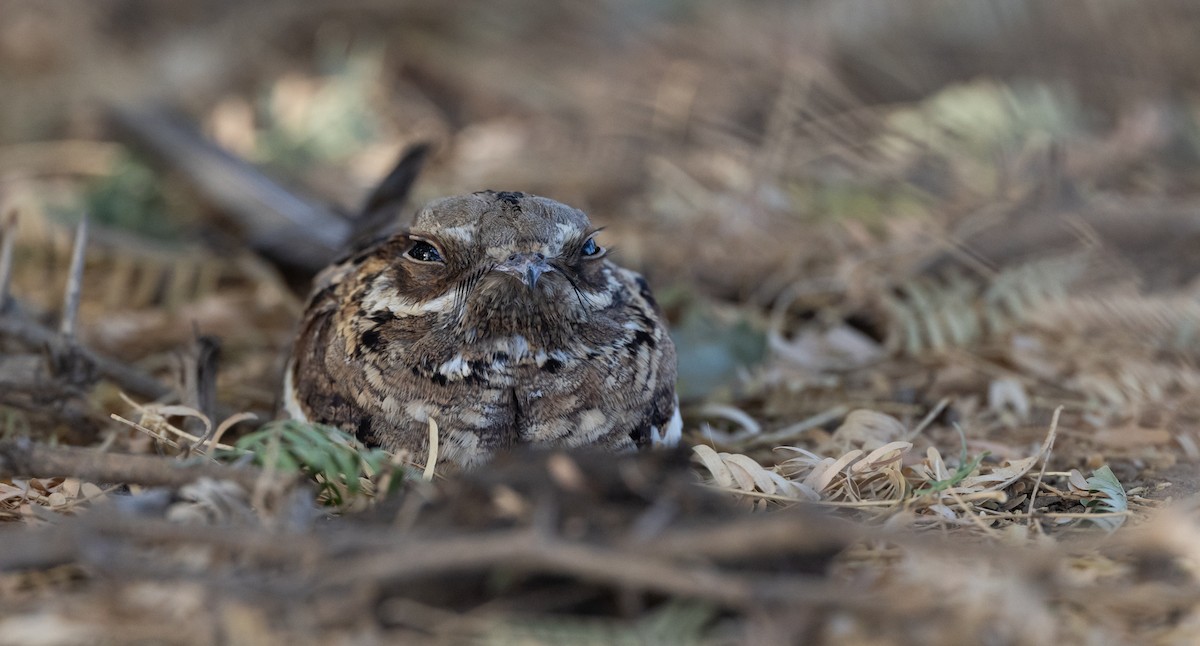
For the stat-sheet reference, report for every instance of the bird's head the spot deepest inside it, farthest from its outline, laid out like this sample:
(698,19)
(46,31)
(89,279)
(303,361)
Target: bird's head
(496,263)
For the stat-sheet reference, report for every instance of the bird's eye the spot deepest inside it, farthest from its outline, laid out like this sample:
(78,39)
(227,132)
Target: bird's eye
(590,248)
(424,252)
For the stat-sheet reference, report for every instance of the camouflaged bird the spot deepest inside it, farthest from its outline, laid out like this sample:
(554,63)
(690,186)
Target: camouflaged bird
(497,315)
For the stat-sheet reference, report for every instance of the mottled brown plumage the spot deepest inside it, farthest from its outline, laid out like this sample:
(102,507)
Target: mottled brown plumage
(497,315)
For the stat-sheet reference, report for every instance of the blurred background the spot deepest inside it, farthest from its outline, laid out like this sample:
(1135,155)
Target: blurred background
(838,202)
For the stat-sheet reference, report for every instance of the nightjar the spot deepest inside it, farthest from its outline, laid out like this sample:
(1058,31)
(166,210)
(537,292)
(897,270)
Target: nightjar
(497,315)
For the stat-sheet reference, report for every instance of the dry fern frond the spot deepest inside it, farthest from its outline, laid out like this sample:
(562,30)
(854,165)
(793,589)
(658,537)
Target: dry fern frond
(932,315)
(865,429)
(928,315)
(1115,386)
(970,477)
(870,471)
(154,420)
(126,270)
(1162,322)
(854,476)
(742,474)
(869,465)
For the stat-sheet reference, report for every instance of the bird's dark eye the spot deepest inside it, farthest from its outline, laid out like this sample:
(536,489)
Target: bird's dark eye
(424,252)
(590,248)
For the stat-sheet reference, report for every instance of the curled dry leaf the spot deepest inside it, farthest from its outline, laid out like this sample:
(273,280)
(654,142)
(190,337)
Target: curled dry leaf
(748,425)
(1008,394)
(1077,482)
(867,430)
(873,471)
(828,469)
(999,478)
(854,475)
(839,348)
(715,465)
(740,473)
(154,420)
(934,468)
(890,453)
(208,501)
(1102,492)
(750,475)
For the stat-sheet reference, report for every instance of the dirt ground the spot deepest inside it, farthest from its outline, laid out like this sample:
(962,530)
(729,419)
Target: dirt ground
(931,271)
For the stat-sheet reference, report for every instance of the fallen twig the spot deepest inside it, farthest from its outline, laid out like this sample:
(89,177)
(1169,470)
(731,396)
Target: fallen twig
(29,459)
(74,288)
(332,563)
(8,236)
(290,229)
(15,325)
(1045,460)
(529,550)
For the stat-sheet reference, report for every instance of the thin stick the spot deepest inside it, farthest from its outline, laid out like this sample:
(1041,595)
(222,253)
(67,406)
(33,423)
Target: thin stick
(74,282)
(1058,514)
(975,518)
(749,425)
(128,377)
(782,498)
(158,436)
(527,550)
(431,463)
(790,432)
(25,458)
(928,419)
(8,236)
(1045,460)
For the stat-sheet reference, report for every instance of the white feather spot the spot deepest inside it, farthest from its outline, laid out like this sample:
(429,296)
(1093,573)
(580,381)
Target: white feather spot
(383,297)
(418,410)
(590,420)
(291,405)
(673,433)
(599,301)
(565,231)
(455,369)
(560,356)
(464,233)
(471,419)
(515,346)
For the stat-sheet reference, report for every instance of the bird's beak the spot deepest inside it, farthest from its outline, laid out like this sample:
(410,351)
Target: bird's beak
(528,267)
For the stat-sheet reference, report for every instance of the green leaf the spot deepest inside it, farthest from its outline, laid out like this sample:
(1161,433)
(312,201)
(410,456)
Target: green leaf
(966,468)
(332,458)
(1112,498)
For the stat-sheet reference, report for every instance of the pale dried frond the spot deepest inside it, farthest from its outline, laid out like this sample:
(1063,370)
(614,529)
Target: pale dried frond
(970,491)
(1170,321)
(154,420)
(932,315)
(739,473)
(865,429)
